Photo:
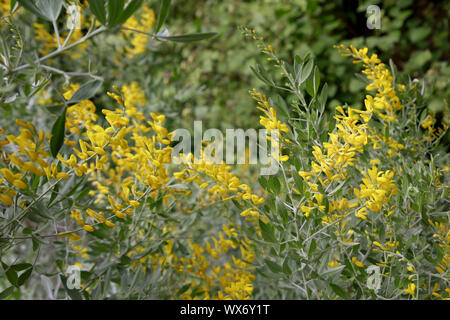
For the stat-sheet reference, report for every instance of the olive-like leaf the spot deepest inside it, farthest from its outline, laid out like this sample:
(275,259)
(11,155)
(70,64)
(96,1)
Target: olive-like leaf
(58,131)
(50,8)
(21,266)
(339,291)
(86,91)
(188,37)
(98,9)
(45,9)
(274,267)
(6,293)
(24,277)
(115,9)
(129,10)
(162,15)
(30,6)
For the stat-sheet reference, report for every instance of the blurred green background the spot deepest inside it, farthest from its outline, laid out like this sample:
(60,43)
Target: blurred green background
(214,76)
(209,80)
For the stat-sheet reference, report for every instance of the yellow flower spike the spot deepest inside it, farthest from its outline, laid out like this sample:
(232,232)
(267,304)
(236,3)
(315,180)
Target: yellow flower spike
(115,97)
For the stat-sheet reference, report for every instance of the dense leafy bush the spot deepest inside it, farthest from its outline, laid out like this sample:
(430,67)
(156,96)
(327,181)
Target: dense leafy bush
(358,208)
(365,190)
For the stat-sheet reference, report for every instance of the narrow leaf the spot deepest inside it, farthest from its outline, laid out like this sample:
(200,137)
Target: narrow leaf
(131,8)
(339,291)
(98,9)
(162,15)
(275,268)
(188,37)
(21,266)
(5,293)
(306,71)
(115,9)
(50,8)
(11,275)
(267,232)
(30,6)
(24,277)
(58,131)
(86,91)
(274,184)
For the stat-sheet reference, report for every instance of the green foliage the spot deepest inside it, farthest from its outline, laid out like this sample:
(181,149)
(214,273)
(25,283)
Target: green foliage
(192,62)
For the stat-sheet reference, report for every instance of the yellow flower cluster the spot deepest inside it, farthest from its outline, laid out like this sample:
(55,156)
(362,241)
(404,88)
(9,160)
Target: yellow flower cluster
(5,6)
(138,40)
(125,161)
(227,185)
(80,115)
(379,140)
(145,23)
(81,251)
(349,138)
(351,135)
(221,269)
(271,123)
(443,235)
(28,156)
(411,289)
(117,167)
(430,122)
(385,103)
(223,280)
(378,188)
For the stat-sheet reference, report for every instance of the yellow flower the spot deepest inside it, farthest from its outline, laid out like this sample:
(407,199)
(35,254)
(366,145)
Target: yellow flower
(357,263)
(362,213)
(411,289)
(20,184)
(88,228)
(333,264)
(6,199)
(306,210)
